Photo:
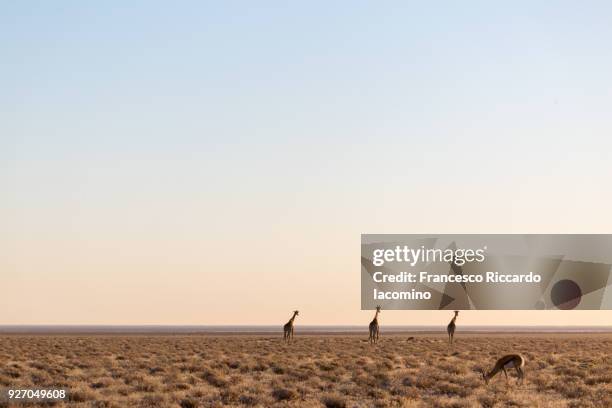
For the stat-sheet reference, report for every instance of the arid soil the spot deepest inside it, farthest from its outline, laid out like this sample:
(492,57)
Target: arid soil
(562,370)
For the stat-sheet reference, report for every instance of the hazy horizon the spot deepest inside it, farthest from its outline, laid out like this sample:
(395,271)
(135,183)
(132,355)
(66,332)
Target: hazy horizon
(300,329)
(216,163)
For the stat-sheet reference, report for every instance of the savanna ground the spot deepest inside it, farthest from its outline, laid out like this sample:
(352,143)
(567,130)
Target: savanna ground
(562,370)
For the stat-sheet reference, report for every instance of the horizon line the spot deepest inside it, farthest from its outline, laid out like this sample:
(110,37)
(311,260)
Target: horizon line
(277,329)
(274,324)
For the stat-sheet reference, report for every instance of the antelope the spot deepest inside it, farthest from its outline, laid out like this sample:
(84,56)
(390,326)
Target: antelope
(511,360)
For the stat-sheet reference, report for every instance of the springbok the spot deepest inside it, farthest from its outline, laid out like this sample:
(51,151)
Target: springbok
(288,328)
(374,328)
(511,360)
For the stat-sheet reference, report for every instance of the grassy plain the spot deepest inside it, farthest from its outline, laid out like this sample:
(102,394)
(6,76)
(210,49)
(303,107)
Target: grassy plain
(562,370)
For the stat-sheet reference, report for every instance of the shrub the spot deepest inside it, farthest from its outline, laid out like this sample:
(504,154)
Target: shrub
(283,394)
(334,401)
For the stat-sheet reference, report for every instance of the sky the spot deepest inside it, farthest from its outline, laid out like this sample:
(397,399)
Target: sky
(216,162)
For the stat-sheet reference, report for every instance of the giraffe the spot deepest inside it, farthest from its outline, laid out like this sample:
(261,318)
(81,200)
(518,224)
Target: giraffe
(288,327)
(374,328)
(450,329)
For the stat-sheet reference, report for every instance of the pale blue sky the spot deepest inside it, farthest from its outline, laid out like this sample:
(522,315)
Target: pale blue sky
(148,139)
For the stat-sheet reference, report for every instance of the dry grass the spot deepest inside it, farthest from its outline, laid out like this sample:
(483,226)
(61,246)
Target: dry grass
(315,371)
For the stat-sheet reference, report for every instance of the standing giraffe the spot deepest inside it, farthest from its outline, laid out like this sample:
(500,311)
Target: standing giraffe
(450,329)
(288,327)
(374,328)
